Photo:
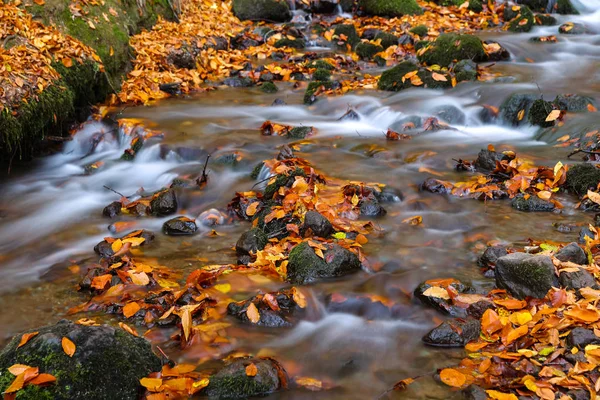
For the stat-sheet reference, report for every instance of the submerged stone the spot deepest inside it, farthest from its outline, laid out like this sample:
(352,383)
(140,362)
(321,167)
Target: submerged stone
(305,266)
(164,204)
(269,87)
(453,333)
(282,316)
(107,364)
(524,275)
(180,226)
(532,203)
(572,28)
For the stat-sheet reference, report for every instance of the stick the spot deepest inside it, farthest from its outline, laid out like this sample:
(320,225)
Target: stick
(114,191)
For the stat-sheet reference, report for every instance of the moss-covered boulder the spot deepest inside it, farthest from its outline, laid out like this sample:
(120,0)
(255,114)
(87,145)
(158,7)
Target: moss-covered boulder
(419,30)
(269,87)
(249,243)
(545,20)
(386,39)
(565,7)
(581,178)
(233,382)
(310,96)
(300,132)
(321,74)
(547,6)
(573,102)
(347,31)
(451,47)
(523,21)
(263,10)
(320,64)
(445,306)
(572,28)
(366,50)
(465,70)
(539,112)
(514,109)
(390,8)
(107,364)
(305,266)
(292,43)
(394,79)
(524,275)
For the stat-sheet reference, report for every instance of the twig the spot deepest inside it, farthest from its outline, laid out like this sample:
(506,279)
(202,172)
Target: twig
(114,191)
(204,178)
(583,151)
(264,180)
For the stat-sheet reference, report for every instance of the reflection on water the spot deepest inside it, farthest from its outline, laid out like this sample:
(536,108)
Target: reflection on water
(51,216)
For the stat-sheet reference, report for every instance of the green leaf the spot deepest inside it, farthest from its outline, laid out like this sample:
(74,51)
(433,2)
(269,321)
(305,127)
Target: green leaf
(340,235)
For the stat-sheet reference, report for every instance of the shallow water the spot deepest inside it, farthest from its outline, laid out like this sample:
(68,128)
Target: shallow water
(51,214)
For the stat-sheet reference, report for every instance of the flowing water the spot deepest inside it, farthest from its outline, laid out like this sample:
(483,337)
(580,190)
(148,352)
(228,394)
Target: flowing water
(51,213)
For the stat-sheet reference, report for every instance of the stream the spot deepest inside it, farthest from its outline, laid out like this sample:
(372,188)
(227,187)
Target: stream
(51,210)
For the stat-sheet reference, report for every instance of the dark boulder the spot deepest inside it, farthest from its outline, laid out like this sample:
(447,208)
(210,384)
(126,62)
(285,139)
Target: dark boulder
(577,280)
(321,74)
(523,22)
(386,39)
(450,114)
(524,275)
(443,305)
(300,132)
(269,87)
(531,203)
(515,107)
(581,337)
(278,311)
(112,210)
(318,224)
(572,253)
(324,6)
(349,31)
(291,43)
(389,195)
(453,333)
(249,243)
(419,30)
(573,102)
(436,186)
(232,382)
(107,364)
(164,203)
(370,207)
(305,266)
(366,51)
(586,233)
(180,226)
(236,81)
(269,10)
(465,70)
(581,178)
(539,111)
(491,255)
(474,392)
(545,20)
(572,28)
(486,160)
(450,47)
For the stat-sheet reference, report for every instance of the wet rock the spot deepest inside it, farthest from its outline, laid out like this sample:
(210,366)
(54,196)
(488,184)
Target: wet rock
(539,112)
(581,337)
(104,249)
(577,280)
(350,115)
(545,20)
(392,79)
(164,204)
(572,28)
(572,253)
(578,394)
(300,132)
(515,104)
(180,226)
(450,114)
(236,81)
(360,306)
(386,39)
(453,333)
(306,267)
(389,195)
(324,6)
(279,102)
(108,363)
(420,30)
(477,309)
(496,53)
(268,10)
(573,102)
(486,160)
(523,22)
(269,87)
(531,204)
(321,74)
(182,58)
(450,47)
(112,210)
(366,51)
(435,186)
(174,88)
(474,392)
(370,33)
(581,178)
(465,70)
(318,224)
(370,207)
(249,243)
(390,8)
(585,233)
(524,275)
(286,309)
(491,255)
(349,31)
(310,96)
(232,382)
(321,64)
(291,43)
(443,305)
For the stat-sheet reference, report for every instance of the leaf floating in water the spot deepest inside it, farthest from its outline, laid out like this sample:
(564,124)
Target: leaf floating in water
(452,377)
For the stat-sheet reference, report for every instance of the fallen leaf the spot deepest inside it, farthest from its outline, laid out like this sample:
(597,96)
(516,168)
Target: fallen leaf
(252,313)
(251,370)
(68,346)
(452,377)
(26,338)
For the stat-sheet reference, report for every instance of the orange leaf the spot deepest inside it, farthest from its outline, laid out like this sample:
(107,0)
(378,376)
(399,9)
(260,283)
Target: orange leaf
(553,116)
(490,322)
(18,369)
(26,338)
(438,77)
(101,281)
(515,334)
(583,314)
(68,346)
(452,377)
(299,298)
(252,313)
(17,384)
(251,370)
(42,379)
(131,309)
(128,329)
(152,384)
(251,210)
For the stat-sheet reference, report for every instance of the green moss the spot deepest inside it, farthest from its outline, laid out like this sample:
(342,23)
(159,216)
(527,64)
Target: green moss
(390,8)
(465,70)
(523,22)
(450,47)
(280,181)
(366,51)
(420,30)
(312,89)
(349,31)
(545,20)
(272,10)
(539,112)
(292,43)
(475,5)
(256,171)
(581,178)
(299,132)
(321,64)
(269,87)
(565,7)
(391,80)
(321,75)
(421,44)
(386,39)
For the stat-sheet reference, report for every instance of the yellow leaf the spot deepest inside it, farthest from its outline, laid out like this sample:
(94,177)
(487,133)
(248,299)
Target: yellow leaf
(135,241)
(553,116)
(299,298)
(354,199)
(593,196)
(131,309)
(18,369)
(68,346)
(495,395)
(521,115)
(557,167)
(440,77)
(116,245)
(436,291)
(520,318)
(152,384)
(223,287)
(251,370)
(139,279)
(252,313)
(452,377)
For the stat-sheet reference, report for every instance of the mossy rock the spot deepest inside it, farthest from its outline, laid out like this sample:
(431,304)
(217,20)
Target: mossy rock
(292,43)
(531,203)
(450,47)
(475,5)
(232,382)
(390,8)
(539,112)
(386,39)
(524,275)
(572,28)
(514,105)
(465,70)
(523,22)
(419,30)
(422,44)
(428,81)
(300,132)
(573,102)
(565,7)
(545,20)
(366,50)
(349,31)
(282,180)
(256,170)
(264,10)
(313,87)
(108,363)
(321,64)
(391,80)
(305,266)
(269,87)
(321,74)
(581,178)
